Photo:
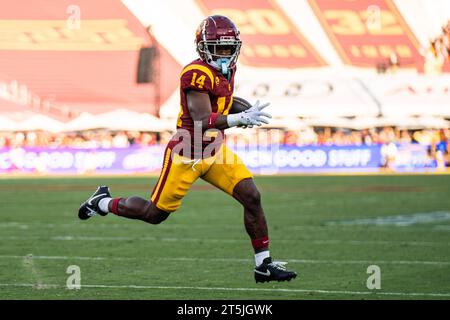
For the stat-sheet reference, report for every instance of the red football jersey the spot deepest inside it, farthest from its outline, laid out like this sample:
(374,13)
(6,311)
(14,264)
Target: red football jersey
(200,76)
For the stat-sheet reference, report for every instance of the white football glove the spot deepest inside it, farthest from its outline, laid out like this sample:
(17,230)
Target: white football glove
(250,117)
(255,107)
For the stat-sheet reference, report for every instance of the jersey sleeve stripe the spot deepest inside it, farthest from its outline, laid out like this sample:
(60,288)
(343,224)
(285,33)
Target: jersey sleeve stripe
(180,114)
(201,68)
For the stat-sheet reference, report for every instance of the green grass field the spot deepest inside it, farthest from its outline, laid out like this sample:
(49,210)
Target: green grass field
(203,252)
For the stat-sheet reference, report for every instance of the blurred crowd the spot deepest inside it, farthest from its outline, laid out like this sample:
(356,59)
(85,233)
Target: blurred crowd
(438,51)
(85,139)
(312,136)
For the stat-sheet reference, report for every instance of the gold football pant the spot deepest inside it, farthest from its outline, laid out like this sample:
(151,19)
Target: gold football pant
(223,170)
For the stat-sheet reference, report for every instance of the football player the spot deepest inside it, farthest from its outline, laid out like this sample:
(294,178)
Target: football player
(208,107)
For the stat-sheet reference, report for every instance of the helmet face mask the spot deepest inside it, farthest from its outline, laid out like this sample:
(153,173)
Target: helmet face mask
(220,55)
(218,43)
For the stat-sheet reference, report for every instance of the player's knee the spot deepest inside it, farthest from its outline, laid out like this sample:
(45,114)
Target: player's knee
(155,216)
(252,198)
(158,219)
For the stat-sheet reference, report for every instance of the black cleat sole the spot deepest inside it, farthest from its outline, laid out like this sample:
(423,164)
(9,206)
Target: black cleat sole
(262,280)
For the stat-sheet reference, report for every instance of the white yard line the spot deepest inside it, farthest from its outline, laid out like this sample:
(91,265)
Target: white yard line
(67,258)
(47,286)
(124,226)
(205,259)
(310,261)
(402,220)
(442,227)
(370,293)
(313,241)
(212,240)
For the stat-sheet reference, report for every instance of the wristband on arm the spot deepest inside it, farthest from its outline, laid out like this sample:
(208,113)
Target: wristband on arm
(212,120)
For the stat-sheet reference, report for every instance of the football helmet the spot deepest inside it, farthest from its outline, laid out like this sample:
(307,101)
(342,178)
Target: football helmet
(218,43)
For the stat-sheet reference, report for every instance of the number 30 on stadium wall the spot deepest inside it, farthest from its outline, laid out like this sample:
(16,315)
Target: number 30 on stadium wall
(257,21)
(200,81)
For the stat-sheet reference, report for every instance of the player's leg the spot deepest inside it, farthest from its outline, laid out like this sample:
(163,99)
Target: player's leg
(101,202)
(248,195)
(134,207)
(230,175)
(173,183)
(137,208)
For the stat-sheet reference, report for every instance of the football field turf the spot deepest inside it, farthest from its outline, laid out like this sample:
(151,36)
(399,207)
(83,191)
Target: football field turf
(329,228)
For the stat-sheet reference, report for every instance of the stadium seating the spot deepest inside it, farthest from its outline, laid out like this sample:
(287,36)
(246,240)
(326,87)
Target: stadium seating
(347,65)
(324,56)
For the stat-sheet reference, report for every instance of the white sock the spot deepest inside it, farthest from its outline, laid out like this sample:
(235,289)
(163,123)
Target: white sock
(260,256)
(103,204)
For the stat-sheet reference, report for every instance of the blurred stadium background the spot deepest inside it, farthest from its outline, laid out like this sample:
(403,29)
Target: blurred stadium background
(92,87)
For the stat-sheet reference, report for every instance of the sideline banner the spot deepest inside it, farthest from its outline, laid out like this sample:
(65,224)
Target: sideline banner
(81,161)
(277,159)
(293,159)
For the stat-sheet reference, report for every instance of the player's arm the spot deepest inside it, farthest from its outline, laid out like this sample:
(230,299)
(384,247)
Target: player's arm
(200,109)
